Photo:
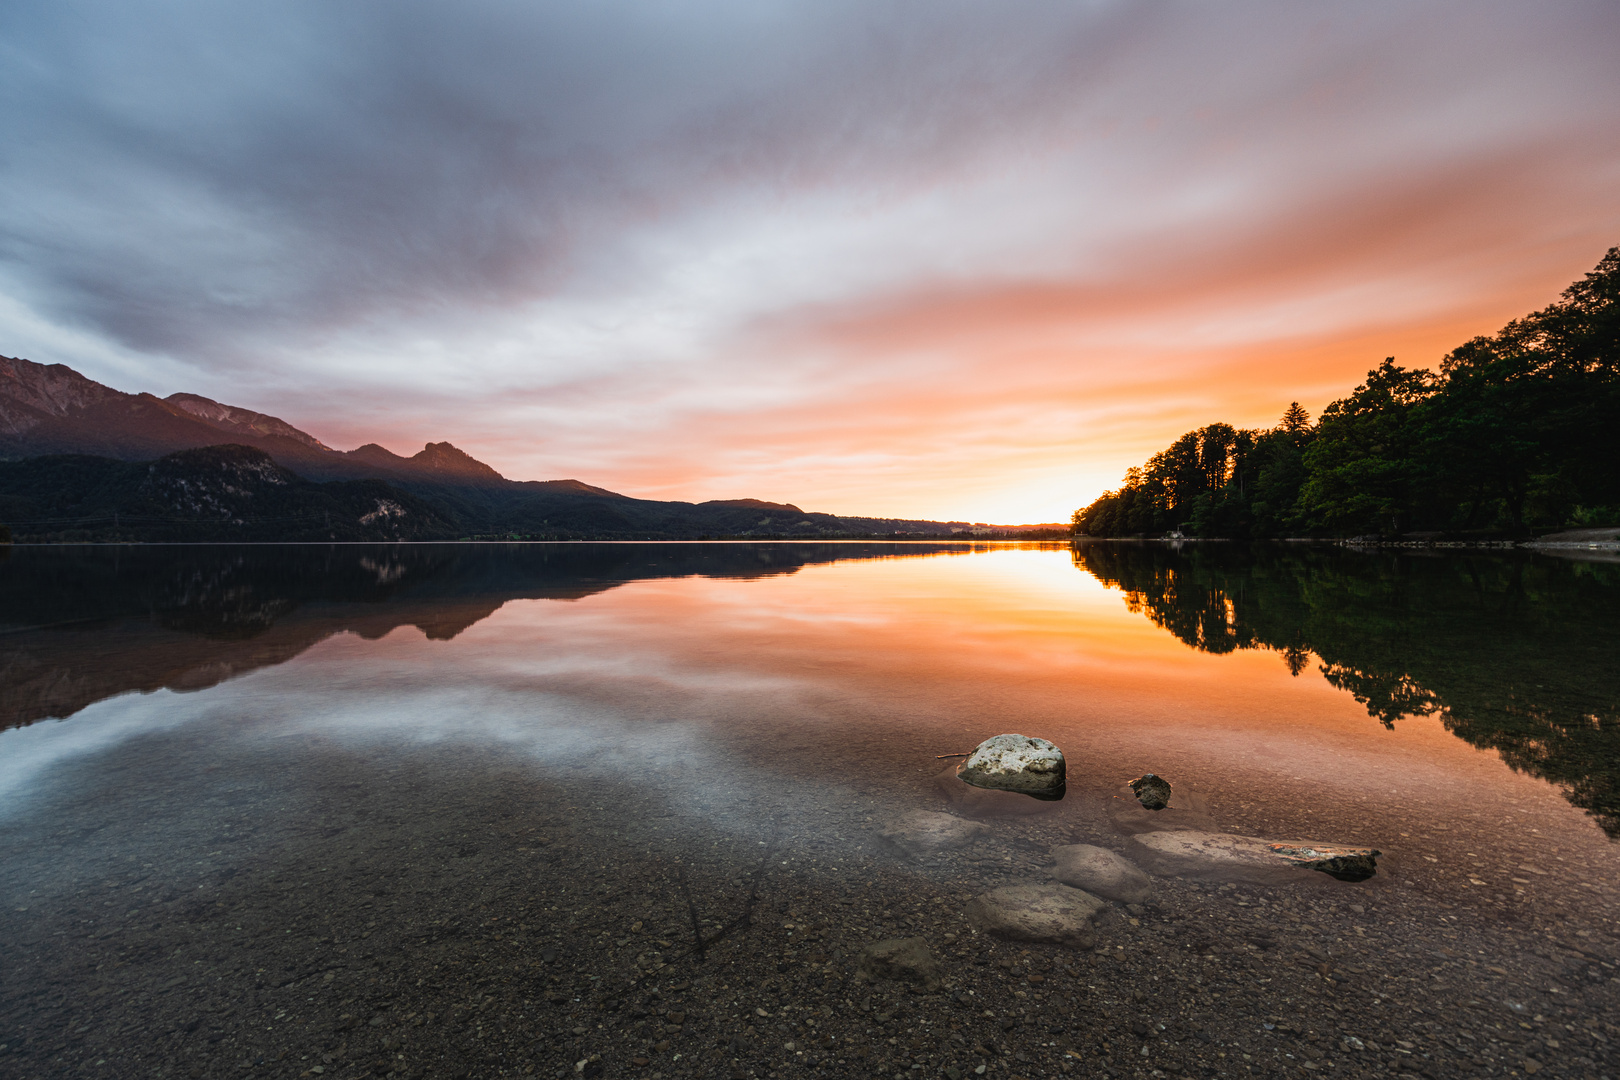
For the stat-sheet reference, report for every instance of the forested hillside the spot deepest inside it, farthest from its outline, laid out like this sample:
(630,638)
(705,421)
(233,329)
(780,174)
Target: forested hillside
(1515,433)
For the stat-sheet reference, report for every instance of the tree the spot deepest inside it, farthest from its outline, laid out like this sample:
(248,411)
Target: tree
(1362,465)
(1295,420)
(1515,432)
(1518,422)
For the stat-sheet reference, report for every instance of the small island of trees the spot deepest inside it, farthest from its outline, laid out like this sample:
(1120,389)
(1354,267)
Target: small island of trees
(1516,433)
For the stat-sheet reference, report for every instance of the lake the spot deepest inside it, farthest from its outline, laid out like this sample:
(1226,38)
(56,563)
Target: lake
(634,810)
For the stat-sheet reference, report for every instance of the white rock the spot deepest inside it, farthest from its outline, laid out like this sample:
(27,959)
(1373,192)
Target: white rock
(1049,913)
(982,803)
(1018,763)
(918,832)
(1102,873)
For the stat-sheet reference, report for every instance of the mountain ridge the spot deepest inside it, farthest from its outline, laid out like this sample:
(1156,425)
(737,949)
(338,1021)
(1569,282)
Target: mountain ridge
(68,445)
(53,409)
(245,421)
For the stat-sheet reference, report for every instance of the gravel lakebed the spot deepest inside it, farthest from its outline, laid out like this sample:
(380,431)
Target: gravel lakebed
(299,909)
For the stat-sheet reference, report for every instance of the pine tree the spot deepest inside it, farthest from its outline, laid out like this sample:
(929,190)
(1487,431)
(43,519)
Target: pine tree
(1295,420)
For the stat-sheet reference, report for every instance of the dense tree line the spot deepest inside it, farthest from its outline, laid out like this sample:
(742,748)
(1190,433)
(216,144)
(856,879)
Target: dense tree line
(1515,432)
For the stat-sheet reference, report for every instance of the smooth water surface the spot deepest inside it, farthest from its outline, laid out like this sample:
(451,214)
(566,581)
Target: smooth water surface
(618,809)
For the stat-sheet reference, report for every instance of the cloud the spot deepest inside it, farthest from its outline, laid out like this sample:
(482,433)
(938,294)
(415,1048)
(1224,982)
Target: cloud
(601,238)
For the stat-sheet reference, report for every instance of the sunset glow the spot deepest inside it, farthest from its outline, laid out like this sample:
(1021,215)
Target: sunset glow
(944,261)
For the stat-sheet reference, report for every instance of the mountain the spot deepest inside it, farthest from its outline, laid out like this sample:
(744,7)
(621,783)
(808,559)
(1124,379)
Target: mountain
(233,493)
(52,409)
(242,422)
(80,460)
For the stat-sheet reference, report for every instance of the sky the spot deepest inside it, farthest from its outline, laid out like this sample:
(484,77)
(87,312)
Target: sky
(925,259)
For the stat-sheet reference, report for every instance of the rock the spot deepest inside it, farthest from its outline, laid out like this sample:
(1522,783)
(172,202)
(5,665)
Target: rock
(1152,791)
(1047,913)
(1334,860)
(1029,766)
(1102,873)
(982,803)
(1212,856)
(919,832)
(901,959)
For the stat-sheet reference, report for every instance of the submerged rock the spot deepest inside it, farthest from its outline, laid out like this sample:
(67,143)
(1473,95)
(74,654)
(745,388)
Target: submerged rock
(1056,914)
(1228,857)
(919,832)
(1020,763)
(983,803)
(1102,873)
(1344,863)
(1152,791)
(902,959)
(1186,810)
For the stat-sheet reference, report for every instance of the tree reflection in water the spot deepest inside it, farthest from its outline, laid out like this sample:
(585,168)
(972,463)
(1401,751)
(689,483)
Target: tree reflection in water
(1512,651)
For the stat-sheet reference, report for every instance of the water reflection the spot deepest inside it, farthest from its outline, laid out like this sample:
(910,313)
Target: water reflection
(648,833)
(82,624)
(1513,652)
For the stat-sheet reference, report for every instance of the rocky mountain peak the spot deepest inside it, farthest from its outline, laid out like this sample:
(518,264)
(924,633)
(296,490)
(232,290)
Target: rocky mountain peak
(52,389)
(241,421)
(442,457)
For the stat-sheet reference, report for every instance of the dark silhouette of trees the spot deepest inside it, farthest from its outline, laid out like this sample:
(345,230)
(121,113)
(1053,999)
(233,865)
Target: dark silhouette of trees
(1513,433)
(1510,651)
(1362,467)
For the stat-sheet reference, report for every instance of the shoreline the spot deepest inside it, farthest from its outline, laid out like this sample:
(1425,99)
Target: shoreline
(541,924)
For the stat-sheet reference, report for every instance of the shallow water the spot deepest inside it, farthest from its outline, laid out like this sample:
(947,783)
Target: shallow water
(468,809)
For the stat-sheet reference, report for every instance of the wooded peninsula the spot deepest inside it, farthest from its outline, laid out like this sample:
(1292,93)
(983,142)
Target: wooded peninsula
(1515,434)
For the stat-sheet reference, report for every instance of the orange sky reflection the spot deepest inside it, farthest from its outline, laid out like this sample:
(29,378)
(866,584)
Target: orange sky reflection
(874,668)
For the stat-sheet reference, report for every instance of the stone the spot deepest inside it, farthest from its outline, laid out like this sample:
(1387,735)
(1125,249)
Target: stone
(921,832)
(1019,763)
(1212,856)
(899,959)
(1152,791)
(983,803)
(1334,860)
(1101,872)
(1055,914)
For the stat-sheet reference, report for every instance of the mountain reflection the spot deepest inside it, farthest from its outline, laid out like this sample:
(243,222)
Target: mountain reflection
(1513,652)
(81,624)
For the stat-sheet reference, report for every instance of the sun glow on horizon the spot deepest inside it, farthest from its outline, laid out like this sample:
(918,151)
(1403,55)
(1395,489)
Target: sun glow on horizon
(953,263)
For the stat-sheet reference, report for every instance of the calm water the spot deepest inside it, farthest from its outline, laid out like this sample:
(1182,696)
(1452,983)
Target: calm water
(316,807)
